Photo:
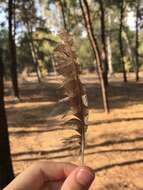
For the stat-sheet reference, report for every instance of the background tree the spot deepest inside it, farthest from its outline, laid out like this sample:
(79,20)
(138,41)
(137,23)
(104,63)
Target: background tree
(63,7)
(104,41)
(27,17)
(6,170)
(137,38)
(108,41)
(96,50)
(122,58)
(12,46)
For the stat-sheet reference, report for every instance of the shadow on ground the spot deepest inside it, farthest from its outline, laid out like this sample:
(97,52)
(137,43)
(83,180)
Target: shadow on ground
(65,151)
(120,96)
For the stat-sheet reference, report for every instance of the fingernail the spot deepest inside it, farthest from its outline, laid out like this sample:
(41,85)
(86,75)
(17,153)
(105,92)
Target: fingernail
(85,177)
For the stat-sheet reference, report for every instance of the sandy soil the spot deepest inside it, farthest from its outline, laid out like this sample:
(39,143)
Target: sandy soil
(114,141)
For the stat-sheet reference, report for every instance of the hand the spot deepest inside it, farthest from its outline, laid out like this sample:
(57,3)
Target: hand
(53,176)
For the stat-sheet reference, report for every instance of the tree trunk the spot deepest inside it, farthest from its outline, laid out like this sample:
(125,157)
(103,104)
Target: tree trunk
(128,50)
(53,64)
(33,51)
(137,40)
(122,59)
(35,59)
(103,37)
(43,8)
(109,49)
(12,48)
(63,14)
(6,170)
(88,24)
(31,42)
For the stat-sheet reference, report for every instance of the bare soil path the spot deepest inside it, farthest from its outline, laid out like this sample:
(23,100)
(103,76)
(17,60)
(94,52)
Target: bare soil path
(114,141)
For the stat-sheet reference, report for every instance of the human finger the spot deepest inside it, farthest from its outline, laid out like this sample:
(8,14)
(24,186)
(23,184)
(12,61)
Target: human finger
(79,179)
(39,174)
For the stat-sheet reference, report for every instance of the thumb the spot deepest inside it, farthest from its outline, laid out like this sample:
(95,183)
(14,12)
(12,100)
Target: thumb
(79,179)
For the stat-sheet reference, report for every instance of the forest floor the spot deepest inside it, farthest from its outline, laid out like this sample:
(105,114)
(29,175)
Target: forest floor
(114,141)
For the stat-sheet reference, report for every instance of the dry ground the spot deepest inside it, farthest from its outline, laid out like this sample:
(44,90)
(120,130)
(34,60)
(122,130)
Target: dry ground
(114,141)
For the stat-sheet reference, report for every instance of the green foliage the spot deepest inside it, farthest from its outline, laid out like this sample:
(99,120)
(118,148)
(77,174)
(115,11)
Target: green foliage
(44,42)
(84,52)
(24,57)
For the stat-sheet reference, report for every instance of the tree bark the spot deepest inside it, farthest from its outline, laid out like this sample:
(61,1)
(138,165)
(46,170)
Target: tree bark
(128,50)
(103,37)
(6,170)
(31,42)
(109,49)
(63,14)
(88,24)
(12,48)
(122,59)
(137,40)
(34,53)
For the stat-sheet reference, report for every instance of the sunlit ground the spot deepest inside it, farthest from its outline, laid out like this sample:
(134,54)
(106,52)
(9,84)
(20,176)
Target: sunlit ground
(114,141)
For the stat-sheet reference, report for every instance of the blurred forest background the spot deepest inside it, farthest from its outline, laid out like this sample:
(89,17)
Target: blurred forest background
(108,41)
